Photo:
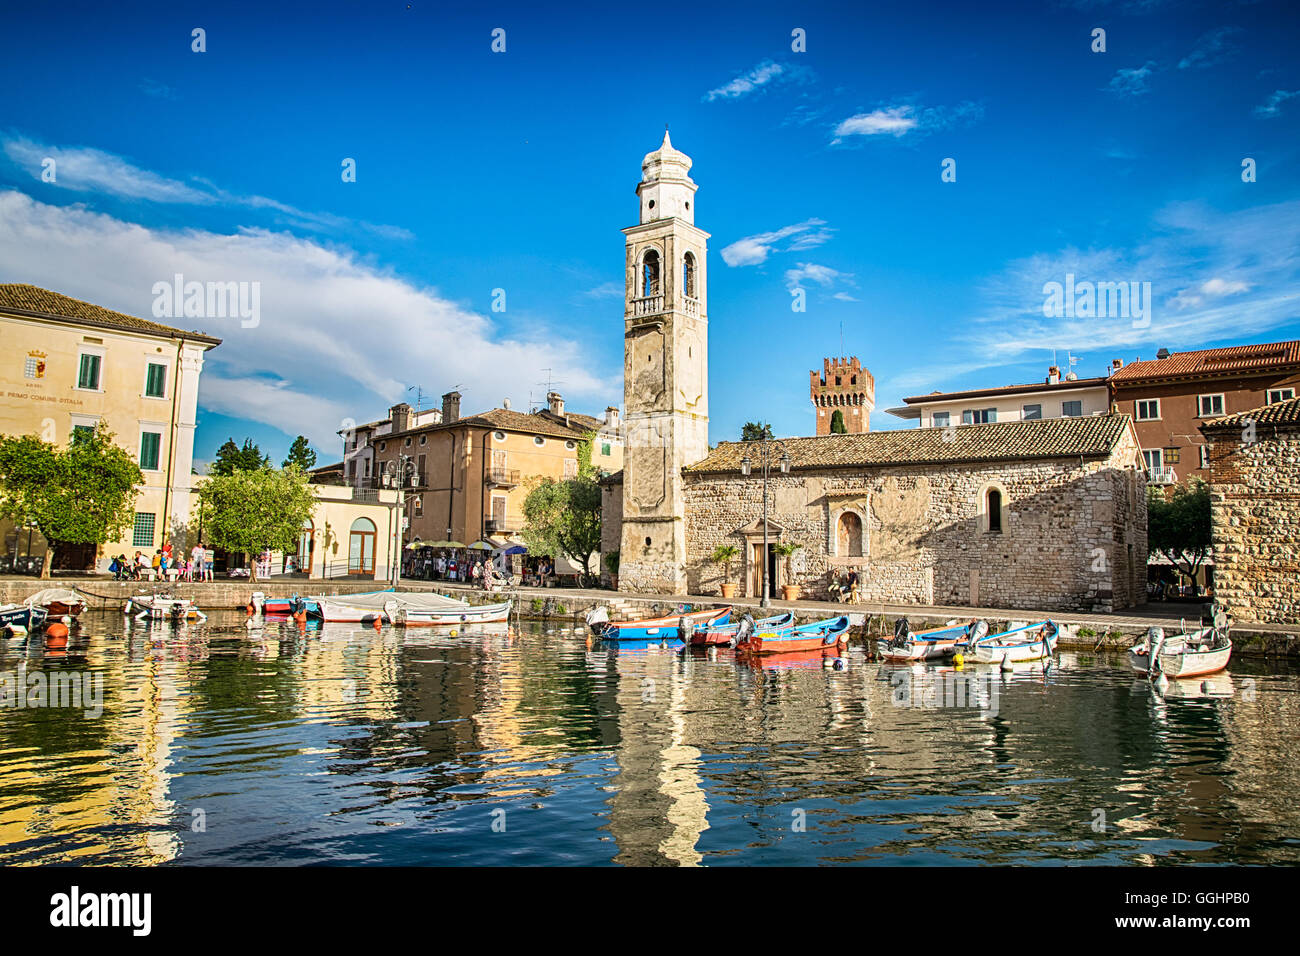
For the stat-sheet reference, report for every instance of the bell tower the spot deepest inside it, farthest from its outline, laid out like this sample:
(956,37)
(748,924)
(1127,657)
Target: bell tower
(665,372)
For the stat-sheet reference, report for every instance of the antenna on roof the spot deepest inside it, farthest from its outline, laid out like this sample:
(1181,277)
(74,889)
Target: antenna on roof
(550,382)
(419,396)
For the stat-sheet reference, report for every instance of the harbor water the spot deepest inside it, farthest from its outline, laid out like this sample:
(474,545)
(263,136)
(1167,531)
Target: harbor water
(220,744)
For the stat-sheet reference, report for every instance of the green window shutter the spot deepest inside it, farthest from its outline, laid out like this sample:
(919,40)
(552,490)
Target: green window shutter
(89,374)
(149,442)
(156,384)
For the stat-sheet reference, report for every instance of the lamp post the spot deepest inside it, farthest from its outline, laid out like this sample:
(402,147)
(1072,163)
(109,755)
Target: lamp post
(397,474)
(767,449)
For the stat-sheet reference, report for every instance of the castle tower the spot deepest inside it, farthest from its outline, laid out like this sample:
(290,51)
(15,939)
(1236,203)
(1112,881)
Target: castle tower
(843,386)
(665,372)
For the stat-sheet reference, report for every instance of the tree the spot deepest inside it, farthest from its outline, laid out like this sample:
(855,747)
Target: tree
(563,517)
(300,454)
(247,511)
(231,458)
(837,423)
(755,432)
(82,494)
(1178,526)
(724,554)
(786,550)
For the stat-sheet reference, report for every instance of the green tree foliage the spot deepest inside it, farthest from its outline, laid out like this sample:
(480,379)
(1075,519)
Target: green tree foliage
(246,511)
(81,494)
(563,517)
(752,431)
(231,458)
(301,454)
(724,554)
(1178,525)
(837,423)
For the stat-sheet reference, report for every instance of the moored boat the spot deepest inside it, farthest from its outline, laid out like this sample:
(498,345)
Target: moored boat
(21,617)
(1195,653)
(672,627)
(58,602)
(162,607)
(406,615)
(371,606)
(936,644)
(726,634)
(815,635)
(1029,642)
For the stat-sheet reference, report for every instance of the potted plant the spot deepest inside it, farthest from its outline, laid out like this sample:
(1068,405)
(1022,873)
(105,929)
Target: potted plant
(723,555)
(611,565)
(789,592)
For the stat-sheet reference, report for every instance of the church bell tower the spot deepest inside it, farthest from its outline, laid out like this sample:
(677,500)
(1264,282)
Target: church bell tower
(665,372)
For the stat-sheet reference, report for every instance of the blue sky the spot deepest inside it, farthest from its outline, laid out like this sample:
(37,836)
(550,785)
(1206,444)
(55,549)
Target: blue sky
(817,170)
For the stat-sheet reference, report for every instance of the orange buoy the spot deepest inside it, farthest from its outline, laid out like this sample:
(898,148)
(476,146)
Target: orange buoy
(56,635)
(375,624)
(250,608)
(301,617)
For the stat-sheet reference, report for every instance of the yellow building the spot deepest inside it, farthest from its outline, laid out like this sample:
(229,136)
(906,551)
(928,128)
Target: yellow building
(471,473)
(69,365)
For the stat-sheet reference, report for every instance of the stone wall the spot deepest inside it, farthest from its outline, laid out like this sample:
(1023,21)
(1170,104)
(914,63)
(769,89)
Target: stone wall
(1255,517)
(1073,533)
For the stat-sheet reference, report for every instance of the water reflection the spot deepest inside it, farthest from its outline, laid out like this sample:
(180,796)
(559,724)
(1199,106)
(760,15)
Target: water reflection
(283,744)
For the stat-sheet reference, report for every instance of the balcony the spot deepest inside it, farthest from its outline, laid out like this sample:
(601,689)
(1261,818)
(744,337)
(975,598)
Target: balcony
(691,306)
(650,305)
(502,477)
(373,482)
(1161,476)
(506,526)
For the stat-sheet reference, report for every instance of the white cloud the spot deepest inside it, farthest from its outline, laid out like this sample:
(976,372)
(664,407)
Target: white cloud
(746,83)
(338,337)
(753,250)
(812,272)
(895,121)
(1131,82)
(84,169)
(1273,105)
(606,290)
(1213,48)
(1209,289)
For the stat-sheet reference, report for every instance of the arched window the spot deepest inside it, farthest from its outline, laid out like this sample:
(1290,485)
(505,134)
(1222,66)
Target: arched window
(306,545)
(650,274)
(994,510)
(688,275)
(849,536)
(361,547)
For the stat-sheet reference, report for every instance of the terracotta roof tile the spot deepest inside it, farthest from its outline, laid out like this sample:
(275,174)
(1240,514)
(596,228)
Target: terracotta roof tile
(55,305)
(1094,436)
(1279,413)
(1267,357)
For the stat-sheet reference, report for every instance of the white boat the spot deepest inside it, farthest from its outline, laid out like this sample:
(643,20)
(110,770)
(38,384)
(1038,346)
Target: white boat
(1028,642)
(936,644)
(1206,650)
(161,607)
(403,614)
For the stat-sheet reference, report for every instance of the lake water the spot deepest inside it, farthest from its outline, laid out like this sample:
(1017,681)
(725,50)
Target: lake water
(221,745)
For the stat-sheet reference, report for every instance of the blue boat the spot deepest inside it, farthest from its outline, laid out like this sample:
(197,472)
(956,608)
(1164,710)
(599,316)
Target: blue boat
(828,634)
(25,616)
(672,627)
(722,634)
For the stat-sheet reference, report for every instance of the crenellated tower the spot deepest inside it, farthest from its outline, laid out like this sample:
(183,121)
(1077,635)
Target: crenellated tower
(844,386)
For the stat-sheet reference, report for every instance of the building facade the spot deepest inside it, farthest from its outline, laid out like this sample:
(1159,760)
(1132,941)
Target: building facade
(1054,397)
(1172,396)
(72,365)
(846,388)
(665,373)
(467,477)
(1254,459)
(1035,514)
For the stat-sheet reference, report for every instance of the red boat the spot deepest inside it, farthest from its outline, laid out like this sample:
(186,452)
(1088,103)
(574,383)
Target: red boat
(832,632)
(726,634)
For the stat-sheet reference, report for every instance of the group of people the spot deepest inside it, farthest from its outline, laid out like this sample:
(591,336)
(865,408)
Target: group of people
(844,587)
(165,564)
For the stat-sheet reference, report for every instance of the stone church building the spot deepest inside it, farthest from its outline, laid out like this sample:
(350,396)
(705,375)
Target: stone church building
(1046,514)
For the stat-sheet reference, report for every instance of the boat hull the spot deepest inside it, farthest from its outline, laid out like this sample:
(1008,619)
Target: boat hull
(660,628)
(21,615)
(816,636)
(1183,663)
(1022,645)
(452,617)
(720,635)
(937,644)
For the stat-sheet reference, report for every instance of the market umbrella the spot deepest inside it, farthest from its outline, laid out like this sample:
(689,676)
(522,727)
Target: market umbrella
(445,544)
(517,549)
(480,546)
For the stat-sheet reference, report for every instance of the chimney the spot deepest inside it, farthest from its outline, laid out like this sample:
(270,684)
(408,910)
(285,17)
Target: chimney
(450,407)
(611,417)
(505,403)
(400,416)
(555,403)
(1162,354)
(1116,365)
(1053,375)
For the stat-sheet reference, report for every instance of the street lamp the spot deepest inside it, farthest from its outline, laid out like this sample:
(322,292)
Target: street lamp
(398,473)
(767,451)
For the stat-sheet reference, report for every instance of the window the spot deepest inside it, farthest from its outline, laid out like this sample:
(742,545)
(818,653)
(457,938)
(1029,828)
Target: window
(142,534)
(407,443)
(419,505)
(82,433)
(1147,410)
(650,274)
(1031,412)
(688,272)
(979,416)
(1209,406)
(941,419)
(1276,395)
(499,511)
(995,511)
(848,538)
(498,436)
(1172,455)
(539,440)
(361,547)
(383,446)
(1154,459)
(1071,409)
(149,444)
(88,374)
(1205,456)
(423,439)
(155,381)
(570,468)
(570,445)
(604,449)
